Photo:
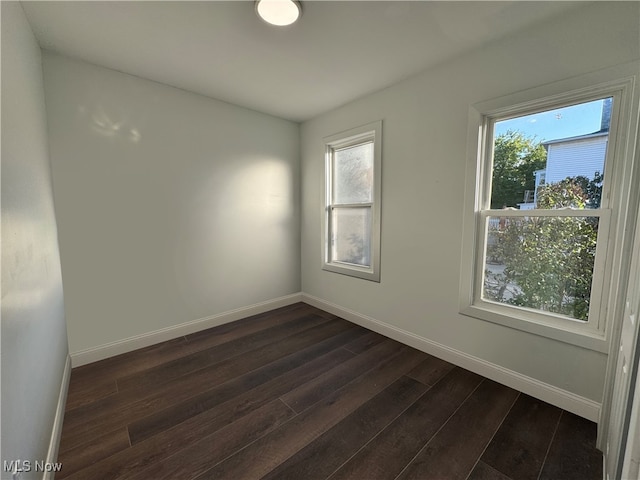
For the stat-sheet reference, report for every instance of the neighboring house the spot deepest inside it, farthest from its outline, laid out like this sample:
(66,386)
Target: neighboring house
(583,155)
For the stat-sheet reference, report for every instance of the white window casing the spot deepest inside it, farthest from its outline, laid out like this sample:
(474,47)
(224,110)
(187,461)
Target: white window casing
(369,210)
(619,201)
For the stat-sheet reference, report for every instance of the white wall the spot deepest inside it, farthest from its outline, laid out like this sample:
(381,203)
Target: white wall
(424,158)
(34,337)
(171,206)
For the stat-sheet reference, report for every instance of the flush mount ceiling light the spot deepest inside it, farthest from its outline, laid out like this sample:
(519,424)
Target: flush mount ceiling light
(278,12)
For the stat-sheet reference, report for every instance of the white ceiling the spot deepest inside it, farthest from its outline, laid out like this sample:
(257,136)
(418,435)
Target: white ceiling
(337,52)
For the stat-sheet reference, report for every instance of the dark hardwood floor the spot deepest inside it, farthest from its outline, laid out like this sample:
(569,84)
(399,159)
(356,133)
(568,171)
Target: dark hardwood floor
(298,393)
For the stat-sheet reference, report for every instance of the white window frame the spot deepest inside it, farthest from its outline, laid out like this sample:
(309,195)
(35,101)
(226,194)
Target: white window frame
(617,201)
(371,132)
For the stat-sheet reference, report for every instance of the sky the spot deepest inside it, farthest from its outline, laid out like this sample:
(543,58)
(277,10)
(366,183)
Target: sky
(563,122)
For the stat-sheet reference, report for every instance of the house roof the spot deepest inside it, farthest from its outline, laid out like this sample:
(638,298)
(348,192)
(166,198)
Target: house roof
(599,133)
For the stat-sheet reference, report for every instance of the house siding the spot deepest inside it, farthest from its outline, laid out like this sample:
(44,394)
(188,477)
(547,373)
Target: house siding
(578,157)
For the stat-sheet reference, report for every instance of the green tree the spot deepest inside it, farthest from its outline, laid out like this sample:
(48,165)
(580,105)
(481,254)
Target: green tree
(592,188)
(548,261)
(515,159)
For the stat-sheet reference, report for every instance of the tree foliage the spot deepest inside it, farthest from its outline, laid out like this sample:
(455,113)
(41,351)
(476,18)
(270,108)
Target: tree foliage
(546,263)
(516,157)
(592,189)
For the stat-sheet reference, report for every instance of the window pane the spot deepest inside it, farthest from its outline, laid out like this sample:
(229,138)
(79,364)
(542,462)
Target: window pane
(351,235)
(544,263)
(551,159)
(353,174)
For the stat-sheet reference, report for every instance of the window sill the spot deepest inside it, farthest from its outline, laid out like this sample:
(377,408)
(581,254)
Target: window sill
(353,271)
(557,328)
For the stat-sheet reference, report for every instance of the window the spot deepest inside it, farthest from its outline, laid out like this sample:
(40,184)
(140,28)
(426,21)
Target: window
(540,249)
(352,202)
(548,207)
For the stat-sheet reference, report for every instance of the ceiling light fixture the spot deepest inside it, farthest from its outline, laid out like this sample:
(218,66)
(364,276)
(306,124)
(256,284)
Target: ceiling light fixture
(279,12)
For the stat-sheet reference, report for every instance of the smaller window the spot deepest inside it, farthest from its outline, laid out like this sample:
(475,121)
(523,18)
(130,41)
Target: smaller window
(351,224)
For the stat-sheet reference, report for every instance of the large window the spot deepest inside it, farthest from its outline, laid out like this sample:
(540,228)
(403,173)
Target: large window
(541,237)
(352,202)
(549,195)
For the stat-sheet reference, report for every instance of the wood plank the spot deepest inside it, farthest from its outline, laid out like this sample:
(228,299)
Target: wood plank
(267,453)
(231,331)
(387,454)
(323,456)
(371,339)
(168,371)
(179,412)
(190,462)
(93,451)
(153,355)
(185,434)
(124,408)
(83,392)
(105,408)
(311,392)
(248,325)
(454,450)
(115,406)
(520,445)
(111,368)
(573,453)
(169,417)
(482,471)
(431,370)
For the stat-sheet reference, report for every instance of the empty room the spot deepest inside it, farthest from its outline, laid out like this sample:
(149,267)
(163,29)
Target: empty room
(320,240)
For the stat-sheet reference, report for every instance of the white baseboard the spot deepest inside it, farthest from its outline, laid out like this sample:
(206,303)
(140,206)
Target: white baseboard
(571,402)
(101,352)
(56,431)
